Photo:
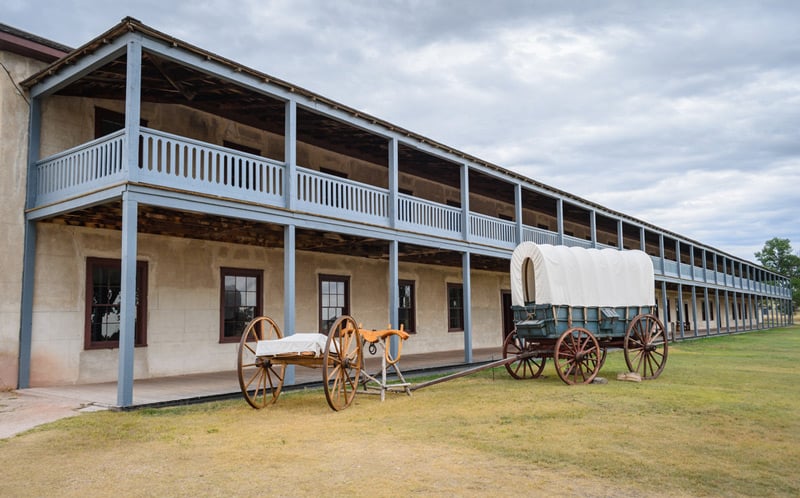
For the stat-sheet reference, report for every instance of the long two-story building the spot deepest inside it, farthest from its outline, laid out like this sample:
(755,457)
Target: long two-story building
(157,196)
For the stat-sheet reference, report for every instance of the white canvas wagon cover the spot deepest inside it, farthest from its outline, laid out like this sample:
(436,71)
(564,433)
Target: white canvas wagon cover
(576,276)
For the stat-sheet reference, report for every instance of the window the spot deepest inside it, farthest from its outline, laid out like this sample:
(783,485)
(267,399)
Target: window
(241,296)
(455,307)
(334,300)
(406,310)
(103,301)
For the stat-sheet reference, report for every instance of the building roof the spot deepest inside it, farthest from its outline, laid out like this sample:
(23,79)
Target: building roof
(27,44)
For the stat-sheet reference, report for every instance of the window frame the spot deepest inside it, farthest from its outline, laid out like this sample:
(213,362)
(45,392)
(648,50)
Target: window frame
(412,310)
(323,277)
(259,307)
(140,322)
(450,309)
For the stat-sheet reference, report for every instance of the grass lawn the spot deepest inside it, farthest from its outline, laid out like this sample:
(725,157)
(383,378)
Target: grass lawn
(722,420)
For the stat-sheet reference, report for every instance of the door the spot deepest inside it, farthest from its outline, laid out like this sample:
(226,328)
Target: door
(508,315)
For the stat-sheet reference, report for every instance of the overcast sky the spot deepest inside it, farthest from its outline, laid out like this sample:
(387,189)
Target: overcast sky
(682,114)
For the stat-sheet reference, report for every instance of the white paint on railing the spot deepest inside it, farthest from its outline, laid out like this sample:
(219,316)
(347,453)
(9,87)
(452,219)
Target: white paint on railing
(576,242)
(328,194)
(430,216)
(181,162)
(539,236)
(71,171)
(493,229)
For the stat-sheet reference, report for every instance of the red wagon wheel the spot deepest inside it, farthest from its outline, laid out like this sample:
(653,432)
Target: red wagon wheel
(577,356)
(646,346)
(528,367)
(342,363)
(260,380)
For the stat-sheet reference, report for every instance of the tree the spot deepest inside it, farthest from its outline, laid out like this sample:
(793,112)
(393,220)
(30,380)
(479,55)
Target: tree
(777,256)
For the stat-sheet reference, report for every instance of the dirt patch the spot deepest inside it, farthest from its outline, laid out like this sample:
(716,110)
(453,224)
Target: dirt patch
(20,412)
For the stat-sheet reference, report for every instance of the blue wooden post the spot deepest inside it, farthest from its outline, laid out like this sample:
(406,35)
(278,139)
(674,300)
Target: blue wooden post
(465,229)
(29,251)
(290,155)
(289,290)
(393,180)
(560,220)
(127,333)
(679,313)
(642,242)
(467,288)
(665,305)
(694,309)
(394,295)
(130,208)
(518,211)
(133,91)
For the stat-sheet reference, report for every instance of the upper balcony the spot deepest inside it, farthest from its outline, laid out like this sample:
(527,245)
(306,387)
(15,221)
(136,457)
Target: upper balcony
(182,164)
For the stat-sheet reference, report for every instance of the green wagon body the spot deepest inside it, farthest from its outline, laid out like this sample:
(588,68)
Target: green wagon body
(549,321)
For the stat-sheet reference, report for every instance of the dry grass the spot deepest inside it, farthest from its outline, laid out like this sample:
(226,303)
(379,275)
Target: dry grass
(721,420)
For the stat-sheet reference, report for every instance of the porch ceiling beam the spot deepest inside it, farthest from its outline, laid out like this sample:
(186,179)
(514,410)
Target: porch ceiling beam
(82,66)
(159,65)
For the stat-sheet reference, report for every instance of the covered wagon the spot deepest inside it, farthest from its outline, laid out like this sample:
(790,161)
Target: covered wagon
(571,304)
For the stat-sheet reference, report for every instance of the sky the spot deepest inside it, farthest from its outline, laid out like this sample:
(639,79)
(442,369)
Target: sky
(685,115)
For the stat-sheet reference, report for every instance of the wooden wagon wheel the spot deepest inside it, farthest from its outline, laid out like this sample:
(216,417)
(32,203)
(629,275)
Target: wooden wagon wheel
(646,346)
(577,356)
(528,367)
(342,363)
(261,380)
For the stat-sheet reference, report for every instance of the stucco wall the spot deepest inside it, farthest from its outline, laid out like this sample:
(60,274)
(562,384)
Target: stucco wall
(14,113)
(183,302)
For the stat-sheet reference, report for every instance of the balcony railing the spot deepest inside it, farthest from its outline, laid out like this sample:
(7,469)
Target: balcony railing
(181,163)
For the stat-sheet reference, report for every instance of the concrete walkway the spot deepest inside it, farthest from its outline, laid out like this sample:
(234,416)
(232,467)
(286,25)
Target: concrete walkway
(26,408)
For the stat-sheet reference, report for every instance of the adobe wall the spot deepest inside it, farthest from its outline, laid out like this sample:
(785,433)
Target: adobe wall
(14,113)
(183,319)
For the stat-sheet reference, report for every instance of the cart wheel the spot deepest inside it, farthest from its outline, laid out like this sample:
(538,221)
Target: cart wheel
(342,363)
(529,367)
(260,380)
(646,346)
(577,356)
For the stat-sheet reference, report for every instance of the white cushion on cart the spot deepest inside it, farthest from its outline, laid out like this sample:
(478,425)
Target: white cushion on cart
(576,276)
(293,344)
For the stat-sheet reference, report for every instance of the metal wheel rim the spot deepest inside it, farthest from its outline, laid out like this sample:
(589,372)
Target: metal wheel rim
(260,380)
